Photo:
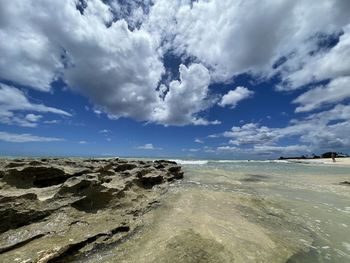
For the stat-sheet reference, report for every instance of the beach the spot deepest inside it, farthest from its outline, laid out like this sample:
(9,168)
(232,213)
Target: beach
(221,211)
(327,161)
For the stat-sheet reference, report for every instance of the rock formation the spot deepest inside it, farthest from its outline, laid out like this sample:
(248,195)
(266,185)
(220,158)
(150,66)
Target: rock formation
(58,210)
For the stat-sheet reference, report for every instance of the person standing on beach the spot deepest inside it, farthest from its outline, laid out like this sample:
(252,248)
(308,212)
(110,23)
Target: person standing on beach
(333,157)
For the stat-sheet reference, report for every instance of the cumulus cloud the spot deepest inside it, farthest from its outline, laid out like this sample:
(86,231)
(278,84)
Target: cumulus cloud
(27,55)
(234,96)
(232,36)
(13,102)
(317,132)
(25,137)
(326,64)
(198,140)
(250,133)
(120,77)
(148,146)
(77,43)
(113,53)
(184,98)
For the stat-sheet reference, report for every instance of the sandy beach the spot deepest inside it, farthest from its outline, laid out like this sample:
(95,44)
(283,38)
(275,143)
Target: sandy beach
(327,161)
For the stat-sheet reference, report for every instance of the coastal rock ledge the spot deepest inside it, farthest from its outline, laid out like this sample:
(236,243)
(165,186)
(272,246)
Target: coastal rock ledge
(60,209)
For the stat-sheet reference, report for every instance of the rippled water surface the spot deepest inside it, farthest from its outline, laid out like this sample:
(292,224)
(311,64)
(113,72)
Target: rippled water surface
(245,212)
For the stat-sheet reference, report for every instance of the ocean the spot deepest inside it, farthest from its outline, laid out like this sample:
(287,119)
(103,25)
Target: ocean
(245,211)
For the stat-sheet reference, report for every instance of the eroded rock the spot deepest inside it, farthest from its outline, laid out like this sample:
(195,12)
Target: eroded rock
(34,176)
(56,210)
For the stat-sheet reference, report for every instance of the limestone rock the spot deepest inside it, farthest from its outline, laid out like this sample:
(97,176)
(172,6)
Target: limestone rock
(59,209)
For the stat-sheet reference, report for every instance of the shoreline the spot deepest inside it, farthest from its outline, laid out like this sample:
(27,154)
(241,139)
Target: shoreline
(322,161)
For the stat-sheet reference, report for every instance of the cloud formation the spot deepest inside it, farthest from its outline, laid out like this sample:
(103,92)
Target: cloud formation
(25,137)
(78,44)
(336,90)
(114,54)
(234,96)
(326,130)
(13,102)
(232,37)
(184,98)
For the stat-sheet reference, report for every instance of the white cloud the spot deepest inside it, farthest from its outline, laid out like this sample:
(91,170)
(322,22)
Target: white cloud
(13,102)
(148,146)
(232,37)
(185,98)
(234,96)
(327,130)
(119,77)
(198,140)
(250,133)
(327,64)
(27,55)
(33,117)
(13,99)
(82,142)
(337,90)
(113,53)
(25,137)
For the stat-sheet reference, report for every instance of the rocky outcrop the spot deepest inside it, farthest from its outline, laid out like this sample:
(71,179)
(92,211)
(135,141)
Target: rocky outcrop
(57,210)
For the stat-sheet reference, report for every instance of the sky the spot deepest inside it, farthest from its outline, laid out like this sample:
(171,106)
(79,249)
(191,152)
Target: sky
(216,79)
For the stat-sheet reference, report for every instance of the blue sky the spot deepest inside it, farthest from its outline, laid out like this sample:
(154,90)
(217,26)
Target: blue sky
(205,79)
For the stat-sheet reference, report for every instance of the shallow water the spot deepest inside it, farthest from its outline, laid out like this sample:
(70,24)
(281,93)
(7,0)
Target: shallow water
(245,212)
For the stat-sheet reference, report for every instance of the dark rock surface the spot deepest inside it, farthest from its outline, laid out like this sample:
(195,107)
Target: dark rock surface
(58,210)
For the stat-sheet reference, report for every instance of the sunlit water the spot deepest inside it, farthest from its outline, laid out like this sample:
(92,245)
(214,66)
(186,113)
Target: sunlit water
(245,212)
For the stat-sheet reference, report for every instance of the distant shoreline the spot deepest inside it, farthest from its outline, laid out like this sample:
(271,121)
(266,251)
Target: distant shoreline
(345,161)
